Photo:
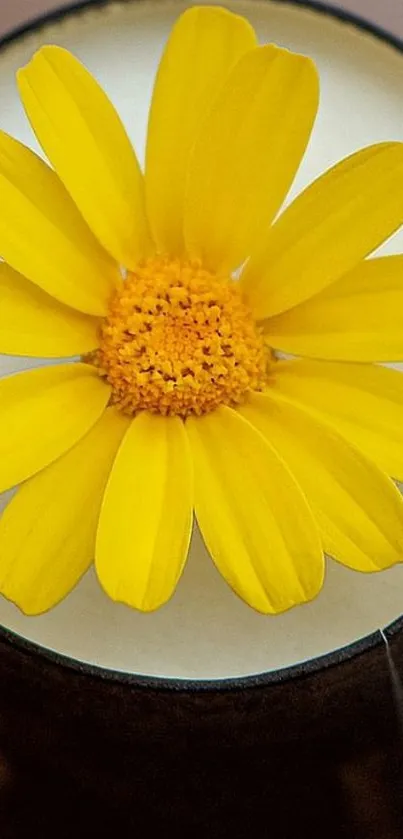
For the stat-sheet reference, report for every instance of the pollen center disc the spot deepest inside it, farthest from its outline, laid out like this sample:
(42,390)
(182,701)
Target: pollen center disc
(180,341)
(205,631)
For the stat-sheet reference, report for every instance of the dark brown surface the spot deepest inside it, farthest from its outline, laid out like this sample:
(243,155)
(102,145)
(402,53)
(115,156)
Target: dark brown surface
(317,755)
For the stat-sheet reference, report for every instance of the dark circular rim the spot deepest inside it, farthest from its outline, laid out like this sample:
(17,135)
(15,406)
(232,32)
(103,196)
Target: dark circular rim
(320,6)
(176,684)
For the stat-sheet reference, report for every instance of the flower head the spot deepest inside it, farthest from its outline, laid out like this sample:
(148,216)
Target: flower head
(180,290)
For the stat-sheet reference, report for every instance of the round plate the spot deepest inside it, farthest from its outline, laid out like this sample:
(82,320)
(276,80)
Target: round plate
(205,632)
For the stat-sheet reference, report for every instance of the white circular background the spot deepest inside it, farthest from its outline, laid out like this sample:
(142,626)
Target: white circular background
(205,631)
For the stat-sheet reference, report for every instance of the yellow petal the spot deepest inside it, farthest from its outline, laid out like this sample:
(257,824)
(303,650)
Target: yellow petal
(202,48)
(358,509)
(363,402)
(43,413)
(146,518)
(47,532)
(358,318)
(253,516)
(43,236)
(34,324)
(328,229)
(247,153)
(83,137)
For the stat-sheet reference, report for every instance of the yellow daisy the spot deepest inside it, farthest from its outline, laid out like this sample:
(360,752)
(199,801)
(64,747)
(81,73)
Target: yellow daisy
(179,402)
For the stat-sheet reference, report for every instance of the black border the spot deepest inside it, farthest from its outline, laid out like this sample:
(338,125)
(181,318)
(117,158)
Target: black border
(166,684)
(40,21)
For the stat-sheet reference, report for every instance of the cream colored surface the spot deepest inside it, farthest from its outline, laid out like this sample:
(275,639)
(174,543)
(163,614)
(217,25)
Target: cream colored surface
(205,631)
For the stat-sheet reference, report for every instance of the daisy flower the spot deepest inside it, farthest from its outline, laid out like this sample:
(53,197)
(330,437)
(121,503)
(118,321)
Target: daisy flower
(181,291)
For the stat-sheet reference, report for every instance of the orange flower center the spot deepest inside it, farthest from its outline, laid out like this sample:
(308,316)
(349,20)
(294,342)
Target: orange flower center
(178,340)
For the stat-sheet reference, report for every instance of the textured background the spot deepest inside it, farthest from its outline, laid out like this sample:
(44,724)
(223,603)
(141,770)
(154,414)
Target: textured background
(387,13)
